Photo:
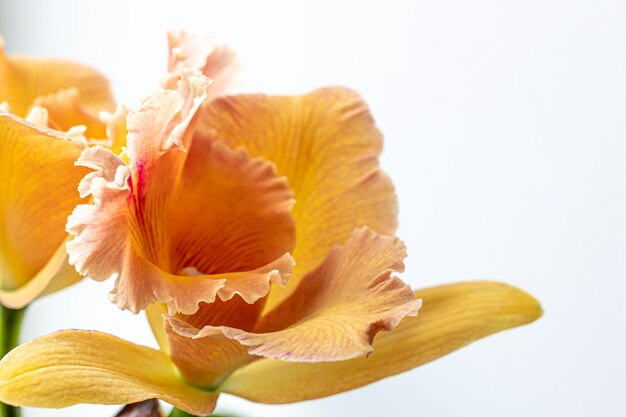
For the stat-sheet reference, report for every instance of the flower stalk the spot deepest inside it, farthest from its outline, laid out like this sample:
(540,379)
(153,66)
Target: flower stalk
(10,327)
(177,412)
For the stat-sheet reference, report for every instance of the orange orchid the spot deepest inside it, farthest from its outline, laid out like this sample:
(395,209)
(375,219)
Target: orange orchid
(202,217)
(47,109)
(37,174)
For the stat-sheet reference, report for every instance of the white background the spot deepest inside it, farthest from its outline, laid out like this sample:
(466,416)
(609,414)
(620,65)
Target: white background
(505,126)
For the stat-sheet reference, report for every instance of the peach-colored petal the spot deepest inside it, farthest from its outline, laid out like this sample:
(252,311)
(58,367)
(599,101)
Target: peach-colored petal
(23,79)
(327,146)
(240,311)
(204,357)
(164,119)
(73,367)
(100,229)
(38,182)
(339,307)
(207,359)
(203,54)
(66,109)
(453,316)
(141,283)
(103,243)
(115,128)
(187,220)
(333,315)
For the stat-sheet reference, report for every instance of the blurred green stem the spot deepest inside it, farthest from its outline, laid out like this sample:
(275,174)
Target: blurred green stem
(10,326)
(176,412)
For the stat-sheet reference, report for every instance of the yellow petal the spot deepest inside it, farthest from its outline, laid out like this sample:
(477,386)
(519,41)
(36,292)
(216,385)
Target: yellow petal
(54,276)
(327,146)
(452,317)
(73,367)
(38,183)
(155,314)
(22,79)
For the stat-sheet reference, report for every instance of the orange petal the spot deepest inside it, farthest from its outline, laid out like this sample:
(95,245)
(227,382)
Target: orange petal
(204,357)
(327,146)
(203,54)
(73,367)
(187,220)
(23,79)
(333,315)
(38,182)
(452,317)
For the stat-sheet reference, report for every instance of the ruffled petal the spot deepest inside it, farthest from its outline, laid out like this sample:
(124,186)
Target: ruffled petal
(141,283)
(38,182)
(164,120)
(116,131)
(333,315)
(23,79)
(452,317)
(203,54)
(101,228)
(339,307)
(87,367)
(327,146)
(187,220)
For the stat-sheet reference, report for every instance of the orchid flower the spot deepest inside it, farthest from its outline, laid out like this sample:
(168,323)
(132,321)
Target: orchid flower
(201,219)
(43,104)
(50,111)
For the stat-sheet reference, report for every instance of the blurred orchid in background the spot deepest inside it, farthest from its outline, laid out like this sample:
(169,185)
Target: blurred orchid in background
(43,103)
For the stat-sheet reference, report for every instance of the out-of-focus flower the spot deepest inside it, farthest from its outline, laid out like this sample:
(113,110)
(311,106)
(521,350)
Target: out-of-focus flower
(40,100)
(200,228)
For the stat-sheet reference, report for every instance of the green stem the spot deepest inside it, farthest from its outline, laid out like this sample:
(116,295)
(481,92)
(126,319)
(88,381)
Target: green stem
(10,326)
(177,412)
